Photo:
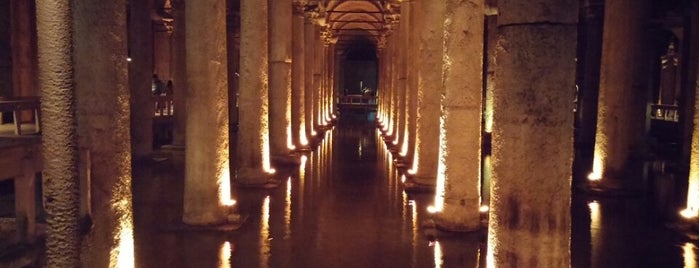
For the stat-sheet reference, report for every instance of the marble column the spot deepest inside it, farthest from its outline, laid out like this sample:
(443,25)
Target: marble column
(207,169)
(429,87)
(61,185)
(253,137)
(309,48)
(179,73)
(457,198)
(317,85)
(140,78)
(533,134)
(102,91)
(24,51)
(621,104)
(298,84)
(411,87)
(280,25)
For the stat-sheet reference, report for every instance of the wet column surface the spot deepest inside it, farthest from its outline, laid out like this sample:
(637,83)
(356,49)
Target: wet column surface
(140,78)
(298,84)
(102,88)
(253,165)
(458,178)
(59,147)
(280,78)
(620,111)
(207,157)
(429,86)
(533,134)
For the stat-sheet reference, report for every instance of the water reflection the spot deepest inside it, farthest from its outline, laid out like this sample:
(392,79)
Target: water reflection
(225,255)
(438,261)
(689,254)
(265,236)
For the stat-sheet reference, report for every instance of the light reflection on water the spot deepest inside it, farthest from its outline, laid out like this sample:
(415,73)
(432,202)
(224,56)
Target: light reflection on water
(224,260)
(689,255)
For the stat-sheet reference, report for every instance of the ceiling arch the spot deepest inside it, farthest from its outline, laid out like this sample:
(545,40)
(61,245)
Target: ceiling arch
(353,20)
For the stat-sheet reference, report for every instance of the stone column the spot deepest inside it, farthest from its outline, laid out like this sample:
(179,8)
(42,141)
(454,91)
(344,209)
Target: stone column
(458,179)
(621,104)
(429,86)
(692,209)
(309,48)
(402,76)
(179,73)
(60,155)
(140,77)
(317,86)
(24,51)
(411,87)
(298,84)
(102,91)
(533,134)
(280,79)
(395,91)
(207,169)
(253,136)
(491,41)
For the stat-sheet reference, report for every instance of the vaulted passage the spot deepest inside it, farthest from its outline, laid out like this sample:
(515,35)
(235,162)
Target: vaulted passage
(349,133)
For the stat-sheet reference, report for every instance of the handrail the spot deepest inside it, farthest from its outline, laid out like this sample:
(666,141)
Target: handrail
(17,104)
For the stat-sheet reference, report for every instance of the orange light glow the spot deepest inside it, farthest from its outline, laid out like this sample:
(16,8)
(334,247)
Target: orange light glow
(484,209)
(438,255)
(224,260)
(224,195)
(122,255)
(289,140)
(689,255)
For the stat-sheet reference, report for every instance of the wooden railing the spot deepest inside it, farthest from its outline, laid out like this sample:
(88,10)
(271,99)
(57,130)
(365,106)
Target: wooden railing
(16,105)
(664,112)
(357,100)
(163,105)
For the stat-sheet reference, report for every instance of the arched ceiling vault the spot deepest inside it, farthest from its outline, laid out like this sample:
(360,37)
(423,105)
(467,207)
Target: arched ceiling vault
(349,21)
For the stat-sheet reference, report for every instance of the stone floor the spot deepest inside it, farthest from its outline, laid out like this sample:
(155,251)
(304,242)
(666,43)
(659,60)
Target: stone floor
(345,208)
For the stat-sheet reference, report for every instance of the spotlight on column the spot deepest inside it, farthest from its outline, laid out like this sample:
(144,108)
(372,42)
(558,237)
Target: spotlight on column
(484,209)
(689,213)
(128,59)
(432,209)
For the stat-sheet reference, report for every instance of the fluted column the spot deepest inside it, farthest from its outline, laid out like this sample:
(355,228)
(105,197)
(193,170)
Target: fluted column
(253,166)
(533,134)
(59,147)
(458,179)
(429,87)
(102,88)
(179,73)
(309,53)
(207,169)
(298,84)
(280,78)
(140,78)
(621,103)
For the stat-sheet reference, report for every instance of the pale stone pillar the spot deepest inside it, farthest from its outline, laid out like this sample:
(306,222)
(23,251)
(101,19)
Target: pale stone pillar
(298,84)
(309,48)
(24,51)
(621,105)
(253,167)
(393,85)
(692,209)
(402,78)
(429,86)
(414,26)
(140,77)
(280,79)
(491,25)
(60,155)
(207,170)
(458,179)
(102,90)
(317,86)
(533,134)
(179,73)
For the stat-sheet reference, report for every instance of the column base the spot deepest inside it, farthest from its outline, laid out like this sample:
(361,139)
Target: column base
(291,159)
(689,228)
(608,188)
(173,147)
(233,222)
(415,184)
(443,224)
(303,148)
(256,179)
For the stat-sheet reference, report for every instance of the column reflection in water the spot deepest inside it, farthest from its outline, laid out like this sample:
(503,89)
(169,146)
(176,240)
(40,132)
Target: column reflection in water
(224,260)
(485,183)
(690,256)
(265,236)
(287,210)
(595,229)
(301,188)
(438,261)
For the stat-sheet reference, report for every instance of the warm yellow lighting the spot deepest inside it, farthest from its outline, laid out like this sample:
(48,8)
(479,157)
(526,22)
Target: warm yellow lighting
(265,243)
(488,113)
(690,256)
(441,167)
(594,214)
(438,255)
(484,209)
(303,161)
(433,209)
(689,213)
(302,137)
(224,260)
(224,195)
(598,162)
(402,178)
(692,210)
(289,139)
(266,161)
(287,210)
(413,169)
(122,256)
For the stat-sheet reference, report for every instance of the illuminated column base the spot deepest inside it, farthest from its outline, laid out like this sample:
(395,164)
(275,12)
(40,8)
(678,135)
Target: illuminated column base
(207,194)
(533,134)
(280,82)
(298,93)
(457,197)
(691,212)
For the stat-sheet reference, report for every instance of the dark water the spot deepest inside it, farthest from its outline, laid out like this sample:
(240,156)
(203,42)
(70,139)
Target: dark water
(345,208)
